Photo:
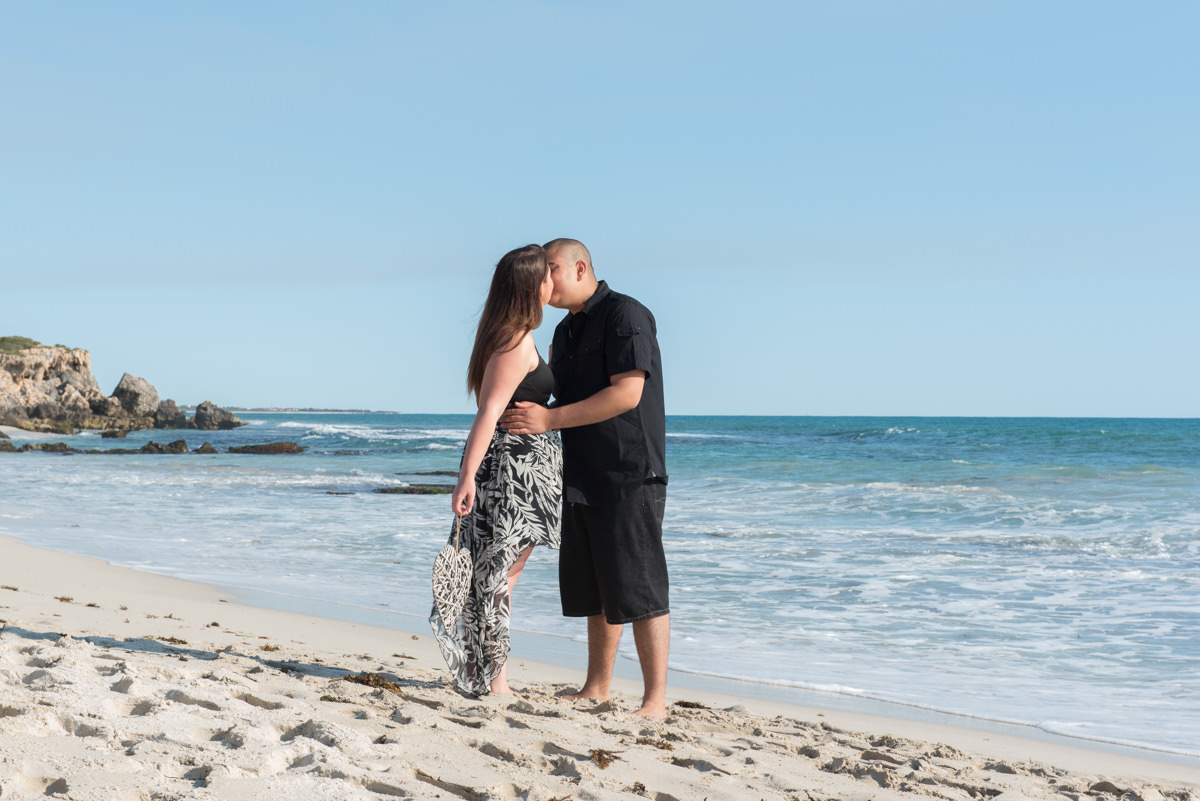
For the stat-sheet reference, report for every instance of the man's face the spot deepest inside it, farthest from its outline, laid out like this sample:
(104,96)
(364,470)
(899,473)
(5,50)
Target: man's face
(563,277)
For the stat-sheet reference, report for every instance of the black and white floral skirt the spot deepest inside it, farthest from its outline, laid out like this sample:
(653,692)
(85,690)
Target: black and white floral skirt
(518,504)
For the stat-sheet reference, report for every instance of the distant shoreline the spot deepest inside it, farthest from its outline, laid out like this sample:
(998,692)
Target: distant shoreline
(301,411)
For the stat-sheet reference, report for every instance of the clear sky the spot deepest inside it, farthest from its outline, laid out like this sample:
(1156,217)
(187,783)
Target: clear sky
(917,208)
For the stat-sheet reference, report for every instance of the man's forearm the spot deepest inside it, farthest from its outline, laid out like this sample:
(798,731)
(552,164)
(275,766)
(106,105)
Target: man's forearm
(604,405)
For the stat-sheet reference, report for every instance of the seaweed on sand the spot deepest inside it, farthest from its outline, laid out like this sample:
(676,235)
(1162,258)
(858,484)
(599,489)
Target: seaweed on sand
(375,680)
(603,758)
(690,705)
(661,744)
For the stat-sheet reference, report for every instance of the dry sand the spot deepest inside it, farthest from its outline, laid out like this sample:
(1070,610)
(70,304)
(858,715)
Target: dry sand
(120,686)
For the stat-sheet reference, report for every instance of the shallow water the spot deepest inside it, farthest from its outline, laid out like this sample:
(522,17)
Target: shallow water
(1043,572)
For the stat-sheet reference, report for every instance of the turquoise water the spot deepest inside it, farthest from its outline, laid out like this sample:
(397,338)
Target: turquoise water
(1037,571)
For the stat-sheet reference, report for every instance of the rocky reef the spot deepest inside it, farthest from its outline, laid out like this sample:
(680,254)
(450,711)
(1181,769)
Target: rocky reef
(151,447)
(51,388)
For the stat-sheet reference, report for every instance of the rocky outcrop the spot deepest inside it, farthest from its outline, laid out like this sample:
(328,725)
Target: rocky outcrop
(210,417)
(169,415)
(46,388)
(136,396)
(51,383)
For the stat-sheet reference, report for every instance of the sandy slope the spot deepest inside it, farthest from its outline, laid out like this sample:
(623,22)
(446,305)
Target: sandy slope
(122,685)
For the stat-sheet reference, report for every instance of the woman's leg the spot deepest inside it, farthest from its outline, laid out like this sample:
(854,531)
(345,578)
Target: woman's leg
(500,683)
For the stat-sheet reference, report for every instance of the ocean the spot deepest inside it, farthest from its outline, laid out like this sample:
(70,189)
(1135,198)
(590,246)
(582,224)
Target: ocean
(1041,572)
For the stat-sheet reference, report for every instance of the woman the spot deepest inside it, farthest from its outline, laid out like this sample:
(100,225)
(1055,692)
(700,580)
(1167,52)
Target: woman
(509,491)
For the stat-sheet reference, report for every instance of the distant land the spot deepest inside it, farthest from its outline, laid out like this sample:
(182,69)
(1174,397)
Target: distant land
(303,410)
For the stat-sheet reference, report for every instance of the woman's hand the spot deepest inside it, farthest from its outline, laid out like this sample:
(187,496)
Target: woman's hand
(463,499)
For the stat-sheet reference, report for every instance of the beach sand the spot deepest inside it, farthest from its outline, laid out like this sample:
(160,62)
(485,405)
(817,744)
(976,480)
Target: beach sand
(117,685)
(12,432)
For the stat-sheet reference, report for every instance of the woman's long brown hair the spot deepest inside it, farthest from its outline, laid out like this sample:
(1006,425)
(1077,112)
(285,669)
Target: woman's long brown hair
(513,307)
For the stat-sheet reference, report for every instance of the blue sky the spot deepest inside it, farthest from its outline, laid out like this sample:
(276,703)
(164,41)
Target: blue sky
(923,208)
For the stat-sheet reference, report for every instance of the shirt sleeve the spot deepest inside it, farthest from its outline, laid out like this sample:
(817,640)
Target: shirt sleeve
(629,343)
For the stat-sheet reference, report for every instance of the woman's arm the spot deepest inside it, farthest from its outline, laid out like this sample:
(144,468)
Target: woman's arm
(501,376)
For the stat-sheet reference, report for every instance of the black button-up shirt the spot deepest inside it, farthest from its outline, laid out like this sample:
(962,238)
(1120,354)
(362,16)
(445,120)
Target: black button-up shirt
(610,335)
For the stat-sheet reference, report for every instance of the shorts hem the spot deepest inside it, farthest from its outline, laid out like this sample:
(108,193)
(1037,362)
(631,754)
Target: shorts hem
(583,614)
(637,618)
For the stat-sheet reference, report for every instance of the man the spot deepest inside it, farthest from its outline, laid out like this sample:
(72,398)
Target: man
(608,391)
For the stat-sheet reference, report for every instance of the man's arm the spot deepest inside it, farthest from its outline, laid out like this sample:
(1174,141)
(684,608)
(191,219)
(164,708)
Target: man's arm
(623,393)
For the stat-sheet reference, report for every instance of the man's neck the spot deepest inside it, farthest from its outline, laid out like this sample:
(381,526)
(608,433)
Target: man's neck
(579,306)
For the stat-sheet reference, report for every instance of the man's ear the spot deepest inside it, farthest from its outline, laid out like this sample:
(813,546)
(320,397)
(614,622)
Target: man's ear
(580,269)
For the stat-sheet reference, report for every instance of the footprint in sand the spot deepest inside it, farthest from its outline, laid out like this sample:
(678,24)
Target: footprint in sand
(467,791)
(533,762)
(180,697)
(470,724)
(702,765)
(38,786)
(261,703)
(11,711)
(143,708)
(83,728)
(43,680)
(526,708)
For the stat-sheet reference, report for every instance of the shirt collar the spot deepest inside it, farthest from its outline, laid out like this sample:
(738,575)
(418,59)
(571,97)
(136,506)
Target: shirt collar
(601,292)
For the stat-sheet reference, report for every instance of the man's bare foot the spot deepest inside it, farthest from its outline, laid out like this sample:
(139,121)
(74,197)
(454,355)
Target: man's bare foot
(654,711)
(502,689)
(588,694)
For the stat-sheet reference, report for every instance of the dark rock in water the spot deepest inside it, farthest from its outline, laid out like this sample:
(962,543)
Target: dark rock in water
(178,446)
(331,492)
(206,448)
(4,436)
(115,433)
(210,417)
(417,489)
(169,415)
(136,396)
(6,446)
(47,447)
(270,447)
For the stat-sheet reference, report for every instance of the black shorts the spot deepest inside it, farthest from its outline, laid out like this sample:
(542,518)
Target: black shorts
(612,559)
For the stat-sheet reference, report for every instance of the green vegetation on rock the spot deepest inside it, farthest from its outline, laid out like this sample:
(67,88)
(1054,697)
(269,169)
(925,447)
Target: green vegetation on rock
(14,345)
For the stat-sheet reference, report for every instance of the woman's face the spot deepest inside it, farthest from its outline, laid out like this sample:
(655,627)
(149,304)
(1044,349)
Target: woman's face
(547,288)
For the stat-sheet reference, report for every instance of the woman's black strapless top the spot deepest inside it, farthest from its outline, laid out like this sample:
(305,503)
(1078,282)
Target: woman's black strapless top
(536,386)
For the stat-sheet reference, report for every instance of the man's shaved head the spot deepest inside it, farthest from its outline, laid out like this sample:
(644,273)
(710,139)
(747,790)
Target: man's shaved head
(571,273)
(569,250)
